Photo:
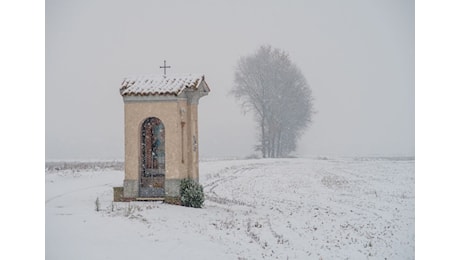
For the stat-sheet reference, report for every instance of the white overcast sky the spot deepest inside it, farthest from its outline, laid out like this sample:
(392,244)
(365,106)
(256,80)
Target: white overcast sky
(357,55)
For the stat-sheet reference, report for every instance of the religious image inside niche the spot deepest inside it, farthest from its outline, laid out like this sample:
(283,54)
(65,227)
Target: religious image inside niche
(153,158)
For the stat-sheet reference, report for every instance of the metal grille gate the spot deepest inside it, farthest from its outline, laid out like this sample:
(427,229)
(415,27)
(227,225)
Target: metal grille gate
(152,181)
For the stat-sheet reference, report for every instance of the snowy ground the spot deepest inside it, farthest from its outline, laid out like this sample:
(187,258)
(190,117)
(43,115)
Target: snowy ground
(254,209)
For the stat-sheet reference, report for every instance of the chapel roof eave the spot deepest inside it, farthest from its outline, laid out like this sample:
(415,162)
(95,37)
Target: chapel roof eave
(170,85)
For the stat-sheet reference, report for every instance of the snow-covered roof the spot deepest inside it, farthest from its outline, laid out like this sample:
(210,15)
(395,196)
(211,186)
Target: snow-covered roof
(160,84)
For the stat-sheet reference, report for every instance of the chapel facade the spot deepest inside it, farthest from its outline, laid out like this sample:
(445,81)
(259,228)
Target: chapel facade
(161,133)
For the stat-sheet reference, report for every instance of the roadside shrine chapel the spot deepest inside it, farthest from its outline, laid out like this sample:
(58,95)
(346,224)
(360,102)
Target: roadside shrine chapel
(161,133)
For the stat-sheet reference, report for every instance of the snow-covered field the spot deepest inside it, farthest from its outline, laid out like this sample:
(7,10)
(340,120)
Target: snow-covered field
(254,209)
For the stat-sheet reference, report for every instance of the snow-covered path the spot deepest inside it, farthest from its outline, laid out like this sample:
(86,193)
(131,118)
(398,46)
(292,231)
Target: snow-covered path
(254,209)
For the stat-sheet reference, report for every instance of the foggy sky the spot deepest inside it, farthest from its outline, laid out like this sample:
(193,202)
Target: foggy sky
(357,56)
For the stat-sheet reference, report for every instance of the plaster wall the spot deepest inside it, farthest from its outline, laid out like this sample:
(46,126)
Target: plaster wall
(181,142)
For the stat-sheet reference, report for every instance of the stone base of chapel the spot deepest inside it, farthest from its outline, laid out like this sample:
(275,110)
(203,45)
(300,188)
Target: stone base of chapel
(130,192)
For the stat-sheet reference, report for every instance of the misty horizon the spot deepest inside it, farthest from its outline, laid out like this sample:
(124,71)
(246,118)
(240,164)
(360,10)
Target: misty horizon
(357,57)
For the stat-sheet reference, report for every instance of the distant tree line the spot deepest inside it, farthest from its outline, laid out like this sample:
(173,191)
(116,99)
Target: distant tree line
(83,166)
(275,90)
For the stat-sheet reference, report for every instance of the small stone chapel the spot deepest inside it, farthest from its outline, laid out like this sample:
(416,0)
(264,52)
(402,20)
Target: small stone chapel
(161,134)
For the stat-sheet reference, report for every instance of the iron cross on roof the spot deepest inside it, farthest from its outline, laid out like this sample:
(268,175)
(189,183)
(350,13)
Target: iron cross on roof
(165,67)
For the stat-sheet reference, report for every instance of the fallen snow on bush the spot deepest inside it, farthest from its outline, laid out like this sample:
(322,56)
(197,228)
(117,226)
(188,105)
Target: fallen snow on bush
(254,209)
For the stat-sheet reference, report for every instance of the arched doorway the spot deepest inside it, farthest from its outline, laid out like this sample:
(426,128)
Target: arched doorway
(152,175)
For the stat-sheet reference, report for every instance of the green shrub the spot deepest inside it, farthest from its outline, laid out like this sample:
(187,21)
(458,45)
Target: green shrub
(191,193)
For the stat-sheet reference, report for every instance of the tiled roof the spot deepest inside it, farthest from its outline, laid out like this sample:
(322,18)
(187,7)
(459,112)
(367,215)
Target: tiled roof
(159,84)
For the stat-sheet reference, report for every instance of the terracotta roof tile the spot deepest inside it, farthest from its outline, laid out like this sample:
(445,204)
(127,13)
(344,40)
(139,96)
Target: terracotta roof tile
(159,84)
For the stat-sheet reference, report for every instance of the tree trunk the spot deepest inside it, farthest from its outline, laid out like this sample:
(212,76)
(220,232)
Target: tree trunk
(278,146)
(272,144)
(264,137)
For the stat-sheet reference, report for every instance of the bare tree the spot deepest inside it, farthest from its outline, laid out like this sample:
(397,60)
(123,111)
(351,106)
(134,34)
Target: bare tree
(275,90)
